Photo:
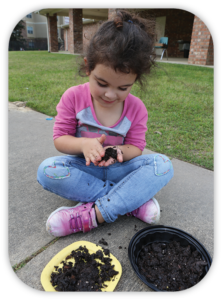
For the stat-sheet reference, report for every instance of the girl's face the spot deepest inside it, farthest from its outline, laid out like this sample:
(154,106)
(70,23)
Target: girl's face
(107,87)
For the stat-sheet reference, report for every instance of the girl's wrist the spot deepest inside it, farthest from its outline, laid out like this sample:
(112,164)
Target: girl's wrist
(129,151)
(82,143)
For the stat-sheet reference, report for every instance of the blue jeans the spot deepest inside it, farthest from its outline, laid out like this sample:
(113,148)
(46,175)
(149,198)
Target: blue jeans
(116,190)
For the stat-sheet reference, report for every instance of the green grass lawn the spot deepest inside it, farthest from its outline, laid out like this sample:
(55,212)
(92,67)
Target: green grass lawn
(179,100)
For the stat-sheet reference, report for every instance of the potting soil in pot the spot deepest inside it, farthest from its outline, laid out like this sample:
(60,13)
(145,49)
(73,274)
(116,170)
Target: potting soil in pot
(171,267)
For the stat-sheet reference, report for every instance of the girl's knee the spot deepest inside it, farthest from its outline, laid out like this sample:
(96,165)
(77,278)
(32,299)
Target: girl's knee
(54,168)
(41,169)
(40,172)
(44,163)
(162,165)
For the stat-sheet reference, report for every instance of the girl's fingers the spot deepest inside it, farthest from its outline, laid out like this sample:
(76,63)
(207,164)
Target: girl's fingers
(101,163)
(92,157)
(109,162)
(102,138)
(100,151)
(97,156)
(120,157)
(87,161)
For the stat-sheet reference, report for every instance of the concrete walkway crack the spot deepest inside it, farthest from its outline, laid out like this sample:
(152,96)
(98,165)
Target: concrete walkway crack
(20,265)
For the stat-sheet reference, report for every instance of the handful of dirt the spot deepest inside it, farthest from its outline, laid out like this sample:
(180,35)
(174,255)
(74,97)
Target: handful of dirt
(110,152)
(88,273)
(171,267)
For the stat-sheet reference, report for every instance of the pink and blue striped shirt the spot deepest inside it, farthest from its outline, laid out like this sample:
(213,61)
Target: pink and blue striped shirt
(76,116)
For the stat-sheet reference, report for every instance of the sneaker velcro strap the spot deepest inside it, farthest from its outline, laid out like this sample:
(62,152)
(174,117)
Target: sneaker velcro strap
(133,213)
(79,221)
(86,220)
(75,223)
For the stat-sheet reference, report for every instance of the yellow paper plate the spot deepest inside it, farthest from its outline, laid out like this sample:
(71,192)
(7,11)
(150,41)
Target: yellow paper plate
(59,257)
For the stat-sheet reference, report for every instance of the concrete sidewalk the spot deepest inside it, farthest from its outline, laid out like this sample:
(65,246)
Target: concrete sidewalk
(186,203)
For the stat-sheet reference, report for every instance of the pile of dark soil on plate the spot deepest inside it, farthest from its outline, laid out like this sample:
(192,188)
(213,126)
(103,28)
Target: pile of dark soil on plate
(86,274)
(110,152)
(171,267)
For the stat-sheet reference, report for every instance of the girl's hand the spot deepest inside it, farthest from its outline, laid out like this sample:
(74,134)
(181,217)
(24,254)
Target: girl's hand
(93,150)
(111,160)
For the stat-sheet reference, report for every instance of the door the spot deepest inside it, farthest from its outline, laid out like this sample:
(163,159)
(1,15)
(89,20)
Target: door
(160,29)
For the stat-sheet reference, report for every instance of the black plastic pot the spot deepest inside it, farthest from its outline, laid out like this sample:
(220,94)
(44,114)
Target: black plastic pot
(165,234)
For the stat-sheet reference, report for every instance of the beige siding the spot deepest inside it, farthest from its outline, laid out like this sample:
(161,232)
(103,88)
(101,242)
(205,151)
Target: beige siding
(35,18)
(40,31)
(38,18)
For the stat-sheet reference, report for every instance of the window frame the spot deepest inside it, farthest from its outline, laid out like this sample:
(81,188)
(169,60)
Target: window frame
(31,44)
(29,31)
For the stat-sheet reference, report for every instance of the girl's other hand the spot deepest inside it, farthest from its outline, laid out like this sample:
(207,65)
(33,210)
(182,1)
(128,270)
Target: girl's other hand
(93,150)
(111,160)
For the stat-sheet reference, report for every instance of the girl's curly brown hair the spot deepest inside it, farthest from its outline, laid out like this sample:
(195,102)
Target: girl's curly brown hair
(125,44)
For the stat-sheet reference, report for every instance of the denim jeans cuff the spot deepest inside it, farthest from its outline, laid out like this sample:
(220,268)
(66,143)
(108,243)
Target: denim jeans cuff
(102,211)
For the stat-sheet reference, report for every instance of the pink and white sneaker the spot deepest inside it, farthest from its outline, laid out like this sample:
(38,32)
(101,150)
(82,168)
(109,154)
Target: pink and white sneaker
(149,212)
(67,220)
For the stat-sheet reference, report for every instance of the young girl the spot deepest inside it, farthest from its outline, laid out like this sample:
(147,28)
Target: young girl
(102,114)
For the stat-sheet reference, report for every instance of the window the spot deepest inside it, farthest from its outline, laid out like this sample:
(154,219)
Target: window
(29,16)
(31,44)
(66,20)
(30,29)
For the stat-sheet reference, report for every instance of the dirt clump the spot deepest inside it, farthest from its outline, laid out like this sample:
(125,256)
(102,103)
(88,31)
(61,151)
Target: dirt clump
(103,242)
(110,152)
(87,272)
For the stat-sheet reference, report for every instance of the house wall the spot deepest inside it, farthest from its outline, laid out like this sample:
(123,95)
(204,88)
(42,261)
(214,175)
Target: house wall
(88,31)
(38,39)
(75,43)
(201,52)
(38,23)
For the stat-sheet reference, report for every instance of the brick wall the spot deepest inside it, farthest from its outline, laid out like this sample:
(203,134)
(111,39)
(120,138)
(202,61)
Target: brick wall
(52,30)
(201,48)
(75,31)
(88,31)
(111,13)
